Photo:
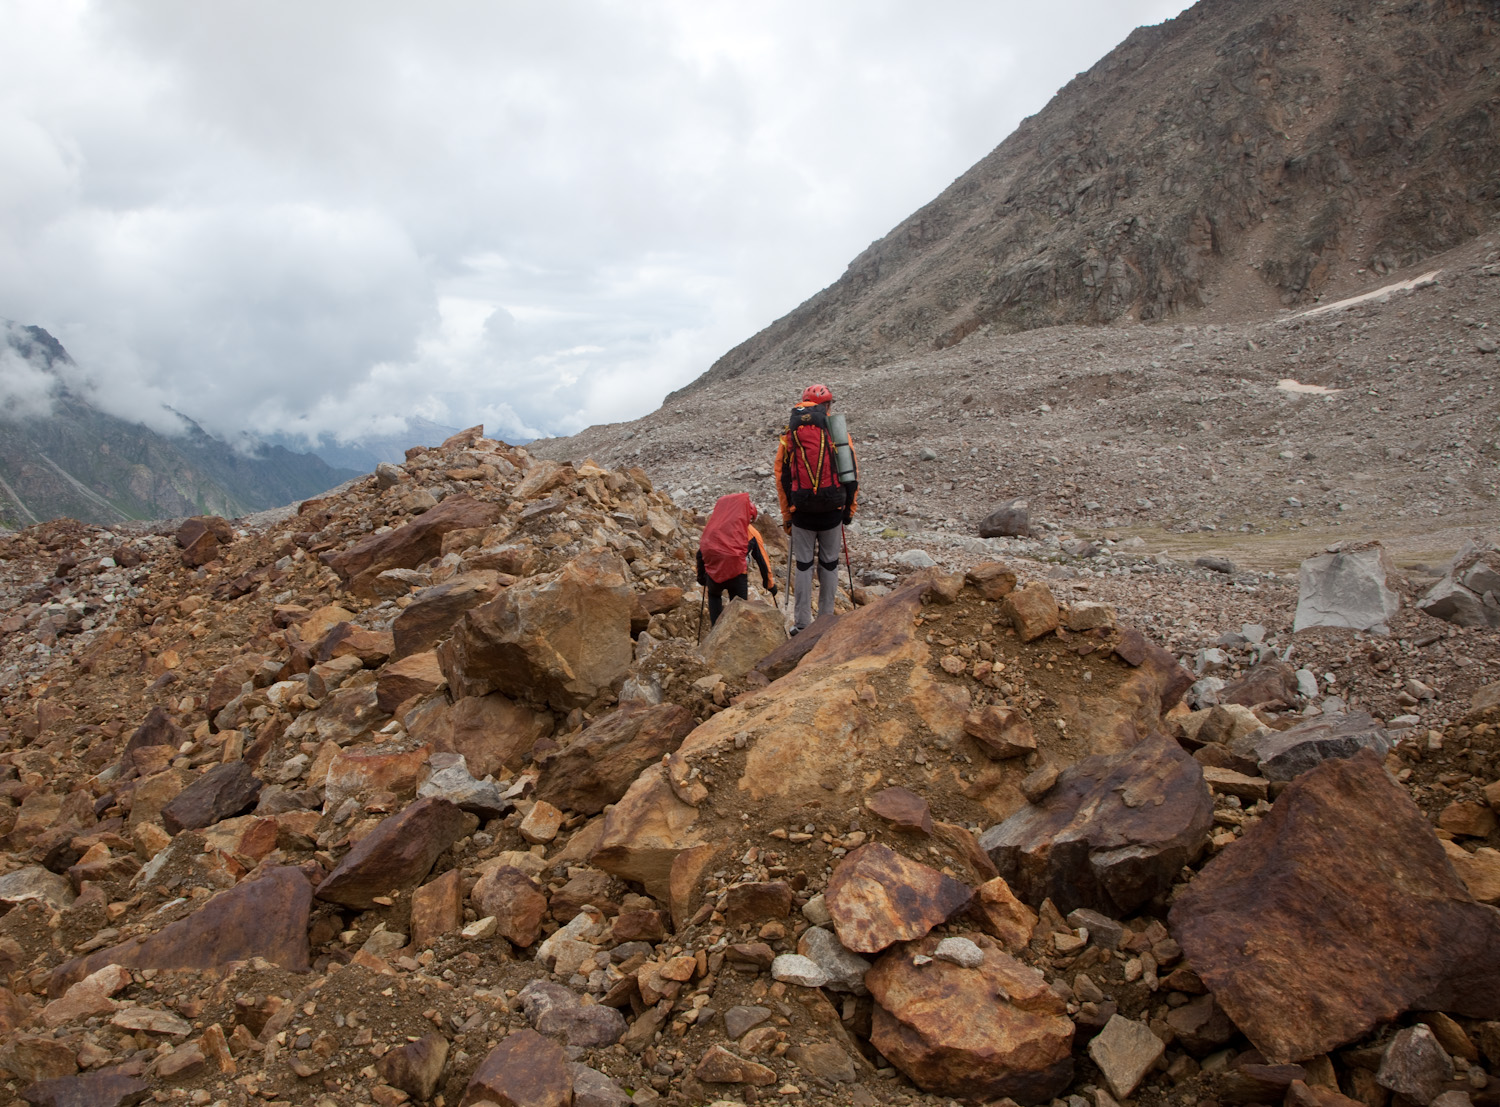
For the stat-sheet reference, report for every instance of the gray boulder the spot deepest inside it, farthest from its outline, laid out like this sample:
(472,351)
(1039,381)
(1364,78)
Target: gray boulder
(1287,754)
(1469,593)
(1347,588)
(1011,519)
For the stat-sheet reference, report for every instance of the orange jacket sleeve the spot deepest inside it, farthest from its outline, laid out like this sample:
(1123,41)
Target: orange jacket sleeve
(778,469)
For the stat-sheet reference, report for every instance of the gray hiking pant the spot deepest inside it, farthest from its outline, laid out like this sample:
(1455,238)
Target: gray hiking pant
(824,546)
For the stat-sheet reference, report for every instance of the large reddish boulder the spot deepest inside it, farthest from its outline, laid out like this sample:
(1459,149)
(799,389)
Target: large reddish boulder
(560,643)
(200,538)
(417,674)
(1112,834)
(408,546)
(224,790)
(398,853)
(878,897)
(595,769)
(977,1033)
(1334,913)
(430,616)
(493,732)
(524,1070)
(265,917)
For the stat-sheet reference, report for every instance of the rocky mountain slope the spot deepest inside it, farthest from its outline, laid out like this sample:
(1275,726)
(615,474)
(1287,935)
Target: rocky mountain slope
(79,462)
(1246,154)
(429,793)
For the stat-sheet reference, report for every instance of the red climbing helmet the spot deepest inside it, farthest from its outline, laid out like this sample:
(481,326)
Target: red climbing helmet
(817,394)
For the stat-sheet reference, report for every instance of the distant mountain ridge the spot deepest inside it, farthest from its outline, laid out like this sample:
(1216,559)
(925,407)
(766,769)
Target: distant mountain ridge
(82,463)
(364,453)
(1254,153)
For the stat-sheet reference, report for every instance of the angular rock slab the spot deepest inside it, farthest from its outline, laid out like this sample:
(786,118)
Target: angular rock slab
(560,643)
(525,1070)
(596,768)
(980,1034)
(265,917)
(408,546)
(415,1067)
(1336,912)
(1347,589)
(398,853)
(1286,754)
(1112,834)
(223,791)
(430,616)
(877,897)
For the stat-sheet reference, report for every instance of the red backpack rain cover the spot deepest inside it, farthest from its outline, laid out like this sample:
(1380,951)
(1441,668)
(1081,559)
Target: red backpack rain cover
(726,537)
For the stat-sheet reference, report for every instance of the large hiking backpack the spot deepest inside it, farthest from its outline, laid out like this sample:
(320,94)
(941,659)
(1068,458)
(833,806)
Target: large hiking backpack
(814,472)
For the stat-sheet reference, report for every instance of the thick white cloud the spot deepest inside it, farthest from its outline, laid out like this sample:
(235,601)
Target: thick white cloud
(271,214)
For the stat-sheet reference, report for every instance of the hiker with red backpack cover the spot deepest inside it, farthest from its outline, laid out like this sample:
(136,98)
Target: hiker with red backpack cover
(728,540)
(815,504)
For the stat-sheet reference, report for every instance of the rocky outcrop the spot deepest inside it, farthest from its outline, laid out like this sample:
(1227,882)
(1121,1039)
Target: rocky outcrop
(1319,923)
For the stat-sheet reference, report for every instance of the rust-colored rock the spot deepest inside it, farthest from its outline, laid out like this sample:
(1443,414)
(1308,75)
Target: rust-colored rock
(994,579)
(35,1058)
(432,613)
(1113,832)
(493,732)
(418,674)
(229,681)
(514,900)
(224,790)
(396,854)
(354,773)
(877,897)
(265,917)
(437,908)
(560,643)
(901,807)
(200,538)
(979,1034)
(408,546)
(371,648)
(745,633)
(595,769)
(646,832)
(524,1070)
(1002,732)
(1337,911)
(415,1067)
(719,1066)
(752,902)
(1002,916)
(1032,610)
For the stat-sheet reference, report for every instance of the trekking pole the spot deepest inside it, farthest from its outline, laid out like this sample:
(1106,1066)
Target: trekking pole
(847,563)
(702,599)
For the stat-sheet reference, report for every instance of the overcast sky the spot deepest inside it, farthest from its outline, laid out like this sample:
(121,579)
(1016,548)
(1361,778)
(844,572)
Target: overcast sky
(324,215)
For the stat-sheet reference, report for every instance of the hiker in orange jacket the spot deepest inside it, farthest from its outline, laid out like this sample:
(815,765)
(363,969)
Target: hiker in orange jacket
(815,504)
(728,541)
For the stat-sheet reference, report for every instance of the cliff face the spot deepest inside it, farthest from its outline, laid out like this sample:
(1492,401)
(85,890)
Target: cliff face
(1250,153)
(82,463)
